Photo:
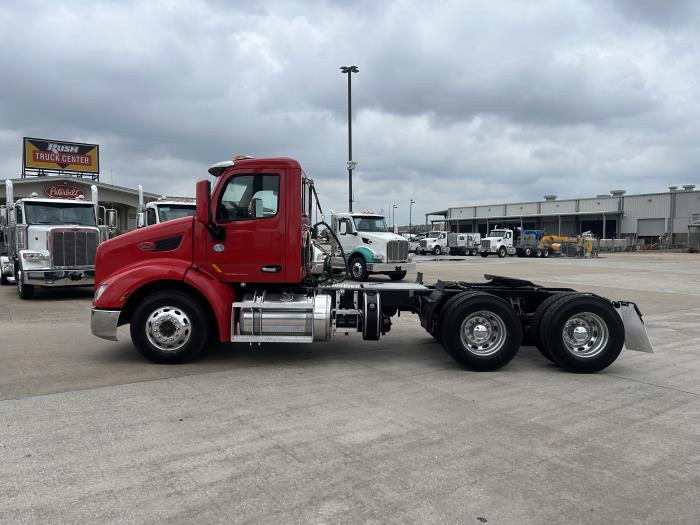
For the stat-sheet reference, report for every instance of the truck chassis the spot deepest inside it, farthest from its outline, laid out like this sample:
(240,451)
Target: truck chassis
(480,325)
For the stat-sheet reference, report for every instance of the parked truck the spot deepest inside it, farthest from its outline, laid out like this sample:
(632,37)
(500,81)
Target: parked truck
(244,270)
(163,209)
(434,242)
(463,243)
(531,244)
(369,247)
(49,242)
(499,242)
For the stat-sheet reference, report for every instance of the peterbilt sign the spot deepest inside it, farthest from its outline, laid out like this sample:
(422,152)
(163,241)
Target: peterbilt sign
(63,192)
(58,155)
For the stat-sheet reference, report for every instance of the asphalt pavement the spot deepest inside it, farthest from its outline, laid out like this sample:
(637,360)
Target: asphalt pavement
(351,431)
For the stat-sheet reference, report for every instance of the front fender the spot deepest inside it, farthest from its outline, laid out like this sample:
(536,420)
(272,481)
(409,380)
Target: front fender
(127,280)
(365,252)
(220,296)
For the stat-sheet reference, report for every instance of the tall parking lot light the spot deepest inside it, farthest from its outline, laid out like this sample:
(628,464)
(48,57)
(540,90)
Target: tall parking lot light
(349,70)
(410,223)
(393,214)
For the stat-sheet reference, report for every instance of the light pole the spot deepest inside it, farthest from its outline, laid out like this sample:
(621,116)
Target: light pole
(349,70)
(410,223)
(393,215)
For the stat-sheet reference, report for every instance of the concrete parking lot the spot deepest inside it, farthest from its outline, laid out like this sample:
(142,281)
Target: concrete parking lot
(356,432)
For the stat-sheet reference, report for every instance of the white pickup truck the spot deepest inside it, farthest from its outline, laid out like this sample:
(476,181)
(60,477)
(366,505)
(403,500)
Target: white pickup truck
(370,247)
(435,243)
(499,242)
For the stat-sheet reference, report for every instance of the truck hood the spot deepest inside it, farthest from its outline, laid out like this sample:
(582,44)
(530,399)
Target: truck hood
(170,239)
(380,237)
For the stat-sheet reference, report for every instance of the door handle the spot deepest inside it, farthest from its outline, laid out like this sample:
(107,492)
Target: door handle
(271,269)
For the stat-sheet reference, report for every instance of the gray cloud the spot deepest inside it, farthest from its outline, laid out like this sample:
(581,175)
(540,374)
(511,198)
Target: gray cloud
(454,104)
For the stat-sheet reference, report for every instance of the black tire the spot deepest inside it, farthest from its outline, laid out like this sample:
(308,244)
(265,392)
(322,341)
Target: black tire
(474,252)
(499,325)
(397,276)
(24,291)
(3,280)
(534,335)
(527,252)
(358,268)
(174,304)
(545,253)
(538,253)
(484,254)
(596,316)
(502,252)
(437,250)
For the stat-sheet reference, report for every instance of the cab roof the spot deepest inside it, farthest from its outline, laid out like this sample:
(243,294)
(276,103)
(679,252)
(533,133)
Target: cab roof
(241,161)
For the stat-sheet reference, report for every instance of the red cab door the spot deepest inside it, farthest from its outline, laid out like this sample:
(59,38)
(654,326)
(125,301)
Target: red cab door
(250,208)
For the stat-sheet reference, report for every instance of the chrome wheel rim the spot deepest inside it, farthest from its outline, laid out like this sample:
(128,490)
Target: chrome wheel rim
(357,269)
(483,333)
(168,328)
(585,335)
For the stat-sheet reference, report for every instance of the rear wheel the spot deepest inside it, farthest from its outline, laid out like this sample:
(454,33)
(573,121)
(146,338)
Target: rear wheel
(474,252)
(484,254)
(397,276)
(545,253)
(24,291)
(3,280)
(358,268)
(582,333)
(535,334)
(538,253)
(169,327)
(527,252)
(480,331)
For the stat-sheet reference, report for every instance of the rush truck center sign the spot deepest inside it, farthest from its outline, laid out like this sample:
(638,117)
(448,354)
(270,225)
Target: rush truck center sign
(55,155)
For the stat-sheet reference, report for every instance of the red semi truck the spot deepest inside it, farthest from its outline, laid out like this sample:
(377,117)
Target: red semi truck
(248,268)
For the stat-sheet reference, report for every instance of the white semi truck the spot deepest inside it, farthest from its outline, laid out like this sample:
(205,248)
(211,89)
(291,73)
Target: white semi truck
(163,209)
(499,242)
(435,243)
(49,242)
(463,243)
(370,247)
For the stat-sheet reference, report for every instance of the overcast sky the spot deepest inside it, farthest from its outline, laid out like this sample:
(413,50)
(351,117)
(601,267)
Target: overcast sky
(456,102)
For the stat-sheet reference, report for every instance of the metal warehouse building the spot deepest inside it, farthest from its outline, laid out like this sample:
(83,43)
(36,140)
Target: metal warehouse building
(645,217)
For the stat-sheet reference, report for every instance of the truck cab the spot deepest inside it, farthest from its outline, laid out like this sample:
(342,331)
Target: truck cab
(49,242)
(464,243)
(499,242)
(163,209)
(369,246)
(435,242)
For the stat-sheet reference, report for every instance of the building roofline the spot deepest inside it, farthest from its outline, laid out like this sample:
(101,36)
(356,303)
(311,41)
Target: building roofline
(29,180)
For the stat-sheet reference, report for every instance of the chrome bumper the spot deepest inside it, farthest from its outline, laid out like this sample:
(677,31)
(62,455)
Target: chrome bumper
(391,267)
(57,278)
(103,323)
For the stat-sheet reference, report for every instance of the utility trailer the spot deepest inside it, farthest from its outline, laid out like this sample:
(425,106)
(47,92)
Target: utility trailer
(185,282)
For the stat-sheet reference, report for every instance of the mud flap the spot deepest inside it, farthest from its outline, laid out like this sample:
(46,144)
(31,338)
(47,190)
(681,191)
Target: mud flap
(636,337)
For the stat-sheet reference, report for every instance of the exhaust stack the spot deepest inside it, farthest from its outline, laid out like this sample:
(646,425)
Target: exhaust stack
(9,193)
(141,204)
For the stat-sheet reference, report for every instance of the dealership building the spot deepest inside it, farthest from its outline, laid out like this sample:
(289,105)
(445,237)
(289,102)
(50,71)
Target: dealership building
(645,217)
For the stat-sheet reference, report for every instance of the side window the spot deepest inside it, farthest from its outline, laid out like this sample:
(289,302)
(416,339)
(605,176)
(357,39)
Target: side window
(150,216)
(18,215)
(248,197)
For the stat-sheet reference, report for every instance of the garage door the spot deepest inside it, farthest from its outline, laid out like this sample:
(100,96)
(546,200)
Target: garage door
(651,227)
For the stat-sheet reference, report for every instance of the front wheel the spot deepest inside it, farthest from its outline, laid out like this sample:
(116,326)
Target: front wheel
(437,250)
(397,276)
(481,331)
(24,291)
(502,252)
(582,333)
(358,268)
(169,327)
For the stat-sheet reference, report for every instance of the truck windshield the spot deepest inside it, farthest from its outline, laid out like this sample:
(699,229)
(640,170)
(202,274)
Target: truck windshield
(59,213)
(370,224)
(168,212)
(433,235)
(498,233)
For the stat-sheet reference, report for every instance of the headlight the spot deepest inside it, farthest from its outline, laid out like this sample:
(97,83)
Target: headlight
(100,291)
(34,256)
